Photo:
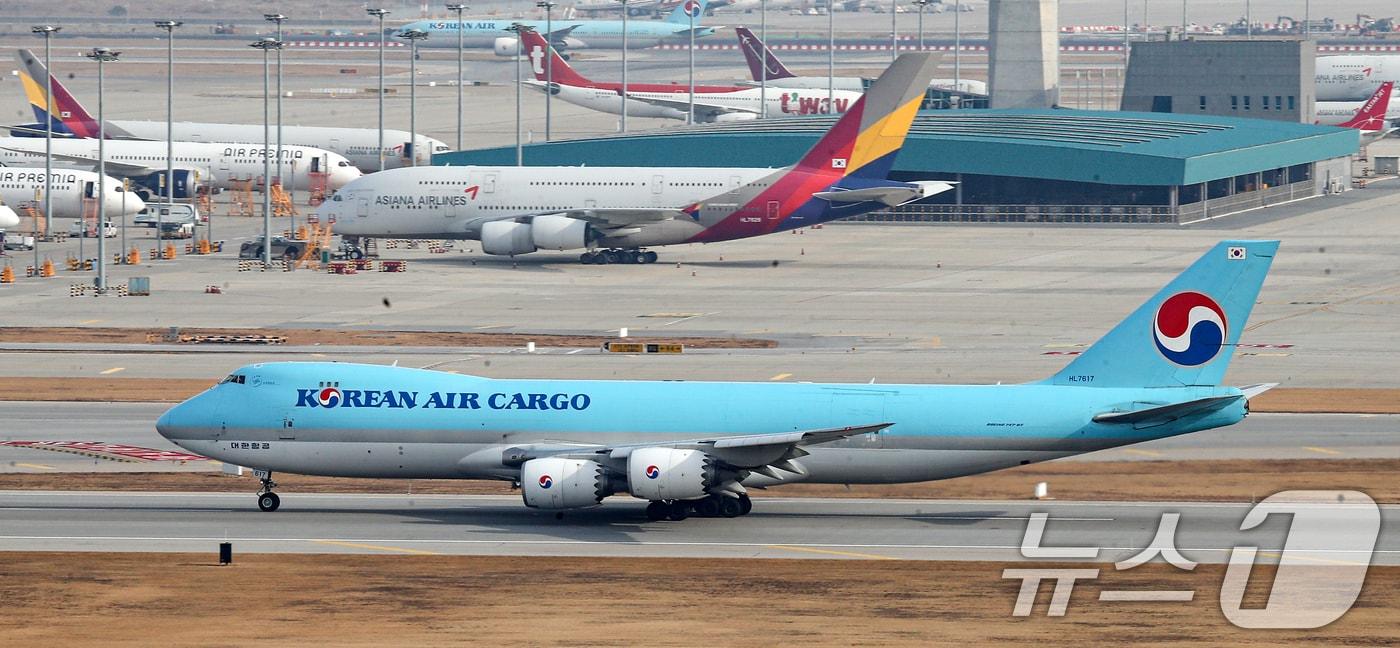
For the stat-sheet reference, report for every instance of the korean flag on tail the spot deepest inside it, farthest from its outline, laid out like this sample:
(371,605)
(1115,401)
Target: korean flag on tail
(838,163)
(1235,253)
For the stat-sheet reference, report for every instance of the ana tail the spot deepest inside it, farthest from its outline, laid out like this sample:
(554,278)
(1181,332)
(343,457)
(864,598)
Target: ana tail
(536,50)
(1187,332)
(754,50)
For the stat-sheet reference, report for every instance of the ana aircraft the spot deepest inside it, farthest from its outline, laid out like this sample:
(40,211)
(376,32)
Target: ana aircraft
(614,212)
(781,77)
(219,165)
(567,34)
(72,192)
(359,145)
(713,103)
(1353,77)
(696,447)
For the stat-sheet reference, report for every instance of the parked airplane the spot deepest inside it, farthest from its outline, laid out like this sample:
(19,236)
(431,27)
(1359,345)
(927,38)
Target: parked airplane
(1353,77)
(1371,118)
(613,212)
(23,187)
(713,103)
(8,219)
(695,447)
(781,77)
(359,145)
(216,164)
(567,34)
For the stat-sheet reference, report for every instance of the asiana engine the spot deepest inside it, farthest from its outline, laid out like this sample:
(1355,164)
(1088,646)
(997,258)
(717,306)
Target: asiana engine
(654,474)
(550,232)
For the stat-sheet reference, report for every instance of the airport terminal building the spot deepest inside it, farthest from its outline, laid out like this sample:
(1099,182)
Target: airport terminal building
(1021,165)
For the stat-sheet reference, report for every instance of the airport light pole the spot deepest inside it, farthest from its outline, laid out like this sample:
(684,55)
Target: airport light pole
(763,53)
(266,44)
(692,10)
(520,31)
(380,13)
(102,55)
(957,44)
(830,54)
(169,27)
(47,31)
(894,30)
(921,4)
(277,160)
(624,65)
(413,36)
(548,7)
(458,8)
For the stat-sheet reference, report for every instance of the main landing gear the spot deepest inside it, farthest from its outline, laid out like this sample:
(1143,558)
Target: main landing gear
(268,501)
(712,506)
(614,255)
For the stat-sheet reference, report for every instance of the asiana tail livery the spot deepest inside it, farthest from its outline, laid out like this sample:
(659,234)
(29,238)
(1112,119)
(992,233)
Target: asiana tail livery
(696,447)
(613,213)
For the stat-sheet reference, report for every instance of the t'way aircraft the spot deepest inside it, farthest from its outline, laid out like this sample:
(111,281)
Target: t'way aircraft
(695,447)
(614,212)
(757,53)
(713,103)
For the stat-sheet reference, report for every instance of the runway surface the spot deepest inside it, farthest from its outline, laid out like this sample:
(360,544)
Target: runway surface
(500,525)
(1261,436)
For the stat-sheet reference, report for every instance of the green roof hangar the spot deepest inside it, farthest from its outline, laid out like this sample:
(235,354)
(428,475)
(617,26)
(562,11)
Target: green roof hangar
(1021,165)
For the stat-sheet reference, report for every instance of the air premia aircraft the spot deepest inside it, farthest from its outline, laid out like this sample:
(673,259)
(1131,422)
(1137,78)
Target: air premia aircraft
(359,145)
(695,447)
(614,212)
(21,186)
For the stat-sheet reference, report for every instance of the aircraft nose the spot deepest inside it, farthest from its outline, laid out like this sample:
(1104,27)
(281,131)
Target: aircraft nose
(190,419)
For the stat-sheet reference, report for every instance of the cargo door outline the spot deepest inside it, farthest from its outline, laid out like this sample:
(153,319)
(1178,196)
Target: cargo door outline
(853,407)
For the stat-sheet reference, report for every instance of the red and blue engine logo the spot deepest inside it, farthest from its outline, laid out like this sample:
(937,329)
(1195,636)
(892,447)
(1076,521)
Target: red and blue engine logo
(329,397)
(546,481)
(653,472)
(692,8)
(1189,329)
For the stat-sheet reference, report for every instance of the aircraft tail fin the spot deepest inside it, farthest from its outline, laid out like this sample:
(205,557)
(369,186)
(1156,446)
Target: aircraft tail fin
(536,48)
(865,141)
(754,53)
(1371,115)
(682,14)
(1187,332)
(63,111)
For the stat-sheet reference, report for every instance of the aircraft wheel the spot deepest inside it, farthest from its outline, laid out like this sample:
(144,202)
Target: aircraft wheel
(586,258)
(730,507)
(269,502)
(708,507)
(648,257)
(678,511)
(611,257)
(657,510)
(631,257)
(746,503)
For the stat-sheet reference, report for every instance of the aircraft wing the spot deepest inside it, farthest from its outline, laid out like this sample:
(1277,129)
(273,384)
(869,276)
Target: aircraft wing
(892,195)
(702,109)
(113,167)
(557,36)
(614,218)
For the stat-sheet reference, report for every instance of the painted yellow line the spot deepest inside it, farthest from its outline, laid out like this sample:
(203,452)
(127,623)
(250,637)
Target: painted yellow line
(35,466)
(848,554)
(356,545)
(113,370)
(1295,556)
(90,321)
(1326,451)
(936,342)
(1142,453)
(489,326)
(781,376)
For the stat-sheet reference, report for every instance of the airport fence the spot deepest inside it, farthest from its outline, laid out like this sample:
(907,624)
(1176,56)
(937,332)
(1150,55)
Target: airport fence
(1239,202)
(1022,214)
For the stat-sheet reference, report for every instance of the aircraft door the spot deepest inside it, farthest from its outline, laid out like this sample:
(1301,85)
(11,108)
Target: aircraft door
(658,184)
(362,207)
(89,189)
(488,183)
(855,407)
(317,165)
(774,210)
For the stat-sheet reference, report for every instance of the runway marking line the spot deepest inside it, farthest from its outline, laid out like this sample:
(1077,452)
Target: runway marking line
(35,466)
(1325,561)
(1142,453)
(113,370)
(357,545)
(490,326)
(91,321)
(781,376)
(848,554)
(1326,451)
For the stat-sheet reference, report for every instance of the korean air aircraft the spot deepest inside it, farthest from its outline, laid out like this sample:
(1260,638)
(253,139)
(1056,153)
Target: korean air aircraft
(696,447)
(358,145)
(568,34)
(613,213)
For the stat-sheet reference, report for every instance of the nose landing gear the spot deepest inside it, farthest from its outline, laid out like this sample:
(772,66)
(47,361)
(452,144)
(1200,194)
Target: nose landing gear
(268,501)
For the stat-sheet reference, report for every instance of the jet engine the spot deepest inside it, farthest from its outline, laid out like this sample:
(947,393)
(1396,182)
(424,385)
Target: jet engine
(187,182)
(559,483)
(558,232)
(507,238)
(669,473)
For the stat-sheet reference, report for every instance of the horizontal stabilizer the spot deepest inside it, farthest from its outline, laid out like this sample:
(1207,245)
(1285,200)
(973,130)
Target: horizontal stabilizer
(1168,412)
(893,195)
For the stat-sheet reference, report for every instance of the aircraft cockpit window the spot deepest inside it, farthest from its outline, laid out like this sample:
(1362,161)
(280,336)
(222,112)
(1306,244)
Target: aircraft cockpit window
(335,198)
(233,378)
(342,163)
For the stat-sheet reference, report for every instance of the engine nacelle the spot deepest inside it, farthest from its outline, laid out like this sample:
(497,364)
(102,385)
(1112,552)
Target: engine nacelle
(507,238)
(669,473)
(187,183)
(733,117)
(558,483)
(558,232)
